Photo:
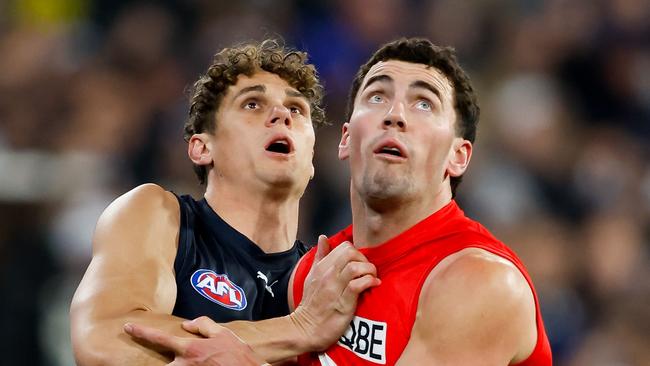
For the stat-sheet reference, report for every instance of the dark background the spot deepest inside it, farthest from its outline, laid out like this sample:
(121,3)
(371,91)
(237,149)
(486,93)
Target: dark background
(93,99)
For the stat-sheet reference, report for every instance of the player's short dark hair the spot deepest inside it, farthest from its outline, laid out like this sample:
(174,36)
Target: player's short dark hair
(269,55)
(422,51)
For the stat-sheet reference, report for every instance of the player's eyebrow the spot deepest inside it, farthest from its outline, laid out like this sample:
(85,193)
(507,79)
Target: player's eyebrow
(295,93)
(254,88)
(420,84)
(378,79)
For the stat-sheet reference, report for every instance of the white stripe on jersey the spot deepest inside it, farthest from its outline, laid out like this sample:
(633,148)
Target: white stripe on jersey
(325,360)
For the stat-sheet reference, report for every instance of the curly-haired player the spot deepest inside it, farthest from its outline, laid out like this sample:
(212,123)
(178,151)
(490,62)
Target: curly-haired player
(159,258)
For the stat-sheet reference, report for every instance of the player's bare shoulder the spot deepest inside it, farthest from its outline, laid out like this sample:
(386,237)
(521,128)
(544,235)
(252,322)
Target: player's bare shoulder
(148,200)
(145,214)
(477,271)
(481,300)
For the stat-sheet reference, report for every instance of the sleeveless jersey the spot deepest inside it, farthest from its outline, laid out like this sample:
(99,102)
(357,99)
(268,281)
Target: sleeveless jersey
(385,315)
(222,274)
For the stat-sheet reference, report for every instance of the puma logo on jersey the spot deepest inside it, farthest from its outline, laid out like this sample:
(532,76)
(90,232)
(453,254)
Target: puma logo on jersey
(266,282)
(219,289)
(366,338)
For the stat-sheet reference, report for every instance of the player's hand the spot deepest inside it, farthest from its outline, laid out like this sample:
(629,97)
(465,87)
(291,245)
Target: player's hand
(204,326)
(224,348)
(332,288)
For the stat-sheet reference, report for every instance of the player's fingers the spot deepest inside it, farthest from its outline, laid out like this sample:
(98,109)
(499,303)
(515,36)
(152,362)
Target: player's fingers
(356,269)
(203,326)
(341,255)
(322,249)
(348,299)
(326,274)
(322,252)
(361,284)
(156,337)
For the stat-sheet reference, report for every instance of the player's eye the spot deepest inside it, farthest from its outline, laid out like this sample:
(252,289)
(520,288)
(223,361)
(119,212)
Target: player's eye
(376,98)
(251,105)
(424,105)
(295,110)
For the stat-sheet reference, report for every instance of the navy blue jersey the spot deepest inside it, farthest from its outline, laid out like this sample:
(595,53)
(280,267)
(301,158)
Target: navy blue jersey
(222,274)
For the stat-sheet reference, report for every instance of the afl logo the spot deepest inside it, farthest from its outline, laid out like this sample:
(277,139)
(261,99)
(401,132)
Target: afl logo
(219,289)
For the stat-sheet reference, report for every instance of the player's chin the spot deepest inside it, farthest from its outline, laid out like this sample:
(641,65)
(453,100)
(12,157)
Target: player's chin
(384,183)
(281,178)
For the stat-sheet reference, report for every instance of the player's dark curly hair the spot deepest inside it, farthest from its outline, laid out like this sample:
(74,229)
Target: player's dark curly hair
(422,51)
(269,55)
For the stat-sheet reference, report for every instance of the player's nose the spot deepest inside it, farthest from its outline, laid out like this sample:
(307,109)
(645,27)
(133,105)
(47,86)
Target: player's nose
(395,117)
(279,115)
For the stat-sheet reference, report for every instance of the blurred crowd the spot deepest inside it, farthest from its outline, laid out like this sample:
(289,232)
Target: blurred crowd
(93,96)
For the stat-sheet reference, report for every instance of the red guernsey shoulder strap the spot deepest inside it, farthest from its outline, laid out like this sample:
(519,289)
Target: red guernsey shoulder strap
(301,273)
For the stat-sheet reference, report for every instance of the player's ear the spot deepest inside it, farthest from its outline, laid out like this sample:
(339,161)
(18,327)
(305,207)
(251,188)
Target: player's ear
(311,175)
(198,149)
(313,153)
(459,157)
(344,145)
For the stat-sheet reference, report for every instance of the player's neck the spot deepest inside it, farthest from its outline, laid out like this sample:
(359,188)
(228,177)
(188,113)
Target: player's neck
(269,220)
(374,224)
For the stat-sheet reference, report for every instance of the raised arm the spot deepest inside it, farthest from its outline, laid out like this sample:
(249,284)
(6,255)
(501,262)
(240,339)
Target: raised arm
(475,309)
(130,279)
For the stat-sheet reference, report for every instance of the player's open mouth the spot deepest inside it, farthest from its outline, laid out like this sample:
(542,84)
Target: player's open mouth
(390,150)
(391,147)
(280,145)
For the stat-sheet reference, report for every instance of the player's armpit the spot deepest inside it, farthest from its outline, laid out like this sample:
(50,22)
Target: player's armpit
(474,308)
(130,278)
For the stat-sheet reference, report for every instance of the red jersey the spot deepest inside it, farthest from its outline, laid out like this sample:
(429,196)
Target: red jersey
(385,314)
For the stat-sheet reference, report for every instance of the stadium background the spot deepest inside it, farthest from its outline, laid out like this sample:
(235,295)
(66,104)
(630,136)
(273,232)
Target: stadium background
(92,103)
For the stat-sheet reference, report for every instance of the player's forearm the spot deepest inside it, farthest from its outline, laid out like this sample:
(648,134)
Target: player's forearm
(104,342)
(274,339)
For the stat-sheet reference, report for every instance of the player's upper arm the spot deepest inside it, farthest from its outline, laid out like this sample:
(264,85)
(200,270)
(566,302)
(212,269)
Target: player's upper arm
(134,247)
(474,308)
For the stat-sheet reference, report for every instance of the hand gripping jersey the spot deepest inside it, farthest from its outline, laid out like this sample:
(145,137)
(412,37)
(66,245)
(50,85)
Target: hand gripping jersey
(385,314)
(220,273)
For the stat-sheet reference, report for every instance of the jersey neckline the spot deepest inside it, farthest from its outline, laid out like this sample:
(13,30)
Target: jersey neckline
(430,228)
(232,237)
